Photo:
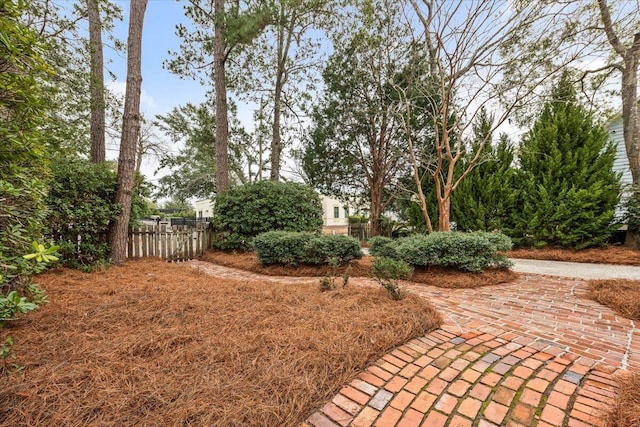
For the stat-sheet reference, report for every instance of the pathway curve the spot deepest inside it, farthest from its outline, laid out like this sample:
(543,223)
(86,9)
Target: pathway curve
(535,352)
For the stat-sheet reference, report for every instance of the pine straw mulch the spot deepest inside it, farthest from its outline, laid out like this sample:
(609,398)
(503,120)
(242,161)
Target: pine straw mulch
(153,343)
(605,255)
(622,296)
(625,409)
(442,278)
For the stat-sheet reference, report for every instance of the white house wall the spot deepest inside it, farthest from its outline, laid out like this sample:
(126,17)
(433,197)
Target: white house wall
(621,162)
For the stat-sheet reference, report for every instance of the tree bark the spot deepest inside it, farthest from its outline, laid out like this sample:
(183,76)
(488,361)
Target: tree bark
(222,122)
(444,213)
(130,132)
(96,83)
(376,209)
(630,120)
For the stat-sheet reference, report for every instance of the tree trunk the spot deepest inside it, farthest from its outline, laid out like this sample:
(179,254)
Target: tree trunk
(222,123)
(630,120)
(376,210)
(96,83)
(130,132)
(276,141)
(444,214)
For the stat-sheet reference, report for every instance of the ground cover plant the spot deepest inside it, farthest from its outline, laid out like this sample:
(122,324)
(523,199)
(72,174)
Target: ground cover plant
(603,255)
(623,296)
(625,409)
(444,278)
(153,343)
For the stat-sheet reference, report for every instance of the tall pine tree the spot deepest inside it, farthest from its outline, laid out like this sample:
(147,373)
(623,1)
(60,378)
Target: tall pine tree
(567,187)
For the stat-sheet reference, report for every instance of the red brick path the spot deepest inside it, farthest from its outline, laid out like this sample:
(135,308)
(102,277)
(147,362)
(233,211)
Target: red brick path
(532,353)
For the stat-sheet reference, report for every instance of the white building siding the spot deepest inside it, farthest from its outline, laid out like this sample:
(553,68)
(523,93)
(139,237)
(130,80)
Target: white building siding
(204,208)
(621,162)
(334,212)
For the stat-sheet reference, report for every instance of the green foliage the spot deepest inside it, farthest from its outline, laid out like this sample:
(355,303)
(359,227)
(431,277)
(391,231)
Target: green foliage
(388,272)
(282,247)
(484,200)
(243,212)
(567,187)
(24,296)
(324,248)
(23,166)
(294,248)
(13,304)
(463,251)
(81,208)
(356,145)
(42,254)
(382,247)
(61,29)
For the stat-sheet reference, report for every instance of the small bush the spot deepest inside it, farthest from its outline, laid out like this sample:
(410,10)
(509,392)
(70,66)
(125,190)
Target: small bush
(388,272)
(322,248)
(282,247)
(503,242)
(292,248)
(470,252)
(243,212)
(382,246)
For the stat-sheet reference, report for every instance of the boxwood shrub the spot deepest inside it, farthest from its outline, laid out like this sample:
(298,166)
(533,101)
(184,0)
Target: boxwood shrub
(294,248)
(382,247)
(243,212)
(464,251)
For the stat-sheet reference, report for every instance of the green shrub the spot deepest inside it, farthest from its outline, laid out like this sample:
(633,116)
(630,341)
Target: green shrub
(388,272)
(382,246)
(343,248)
(282,247)
(81,207)
(294,248)
(470,252)
(503,242)
(567,187)
(243,212)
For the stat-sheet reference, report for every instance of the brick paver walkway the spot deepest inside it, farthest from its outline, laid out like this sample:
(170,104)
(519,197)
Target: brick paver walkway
(531,353)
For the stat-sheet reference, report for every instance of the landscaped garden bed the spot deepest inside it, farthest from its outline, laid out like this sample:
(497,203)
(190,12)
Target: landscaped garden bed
(154,343)
(625,409)
(622,296)
(445,278)
(603,255)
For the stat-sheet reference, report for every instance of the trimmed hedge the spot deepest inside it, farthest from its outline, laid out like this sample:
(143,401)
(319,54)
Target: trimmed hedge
(463,251)
(243,212)
(293,248)
(382,247)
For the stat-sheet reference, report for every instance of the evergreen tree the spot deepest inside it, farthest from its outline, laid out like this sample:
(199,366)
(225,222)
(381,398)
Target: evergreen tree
(485,199)
(567,187)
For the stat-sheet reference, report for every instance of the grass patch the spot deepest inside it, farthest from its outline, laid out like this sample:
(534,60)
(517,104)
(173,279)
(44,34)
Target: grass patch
(622,296)
(153,343)
(444,278)
(625,409)
(619,255)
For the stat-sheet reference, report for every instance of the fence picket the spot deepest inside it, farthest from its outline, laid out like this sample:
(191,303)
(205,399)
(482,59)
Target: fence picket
(173,243)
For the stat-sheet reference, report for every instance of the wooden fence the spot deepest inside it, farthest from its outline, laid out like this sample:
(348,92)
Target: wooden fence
(173,243)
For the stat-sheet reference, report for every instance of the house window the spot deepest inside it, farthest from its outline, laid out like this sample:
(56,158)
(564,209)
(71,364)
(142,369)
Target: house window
(336,212)
(346,212)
